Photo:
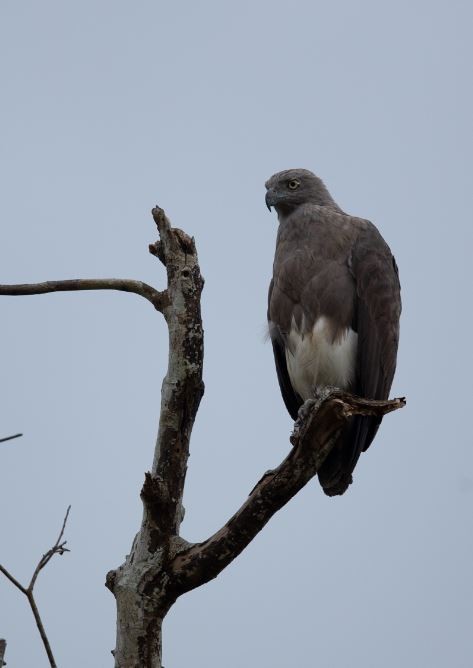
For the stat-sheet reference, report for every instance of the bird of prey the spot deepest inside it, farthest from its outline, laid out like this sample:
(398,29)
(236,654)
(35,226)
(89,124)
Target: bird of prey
(333,310)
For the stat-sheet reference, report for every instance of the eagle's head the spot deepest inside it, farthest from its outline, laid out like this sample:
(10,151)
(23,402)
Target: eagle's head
(289,189)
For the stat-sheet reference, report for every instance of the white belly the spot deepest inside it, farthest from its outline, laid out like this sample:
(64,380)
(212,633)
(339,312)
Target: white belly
(314,359)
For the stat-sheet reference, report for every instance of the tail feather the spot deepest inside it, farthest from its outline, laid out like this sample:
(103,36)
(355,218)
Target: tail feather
(335,474)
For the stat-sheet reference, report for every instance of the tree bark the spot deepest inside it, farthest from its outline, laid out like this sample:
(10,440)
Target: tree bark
(141,585)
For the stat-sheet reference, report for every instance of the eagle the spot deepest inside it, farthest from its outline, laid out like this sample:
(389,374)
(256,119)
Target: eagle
(333,310)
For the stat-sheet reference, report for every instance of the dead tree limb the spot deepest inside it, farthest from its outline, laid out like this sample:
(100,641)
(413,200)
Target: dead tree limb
(158,299)
(140,585)
(312,440)
(161,565)
(57,548)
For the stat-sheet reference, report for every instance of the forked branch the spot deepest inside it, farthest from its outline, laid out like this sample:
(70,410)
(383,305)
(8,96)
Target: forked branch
(57,548)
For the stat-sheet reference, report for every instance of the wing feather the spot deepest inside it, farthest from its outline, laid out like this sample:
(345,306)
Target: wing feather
(376,320)
(291,399)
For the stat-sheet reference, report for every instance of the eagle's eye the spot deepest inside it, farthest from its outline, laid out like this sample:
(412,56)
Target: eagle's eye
(293,184)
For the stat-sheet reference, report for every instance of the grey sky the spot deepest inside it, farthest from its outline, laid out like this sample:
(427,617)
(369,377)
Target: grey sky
(110,107)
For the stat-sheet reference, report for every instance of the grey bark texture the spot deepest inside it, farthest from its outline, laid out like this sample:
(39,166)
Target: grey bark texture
(161,565)
(142,587)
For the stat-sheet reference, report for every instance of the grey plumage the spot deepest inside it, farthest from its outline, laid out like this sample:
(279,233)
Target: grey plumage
(333,309)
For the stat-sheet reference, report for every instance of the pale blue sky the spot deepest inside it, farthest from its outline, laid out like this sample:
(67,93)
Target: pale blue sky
(110,107)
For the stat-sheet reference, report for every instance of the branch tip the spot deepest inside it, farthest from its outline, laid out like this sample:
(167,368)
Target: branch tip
(161,220)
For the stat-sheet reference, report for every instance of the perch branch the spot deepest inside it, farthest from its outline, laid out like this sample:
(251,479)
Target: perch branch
(313,437)
(57,548)
(158,299)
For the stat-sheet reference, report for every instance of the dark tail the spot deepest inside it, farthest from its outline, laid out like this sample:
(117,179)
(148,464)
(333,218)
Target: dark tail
(335,474)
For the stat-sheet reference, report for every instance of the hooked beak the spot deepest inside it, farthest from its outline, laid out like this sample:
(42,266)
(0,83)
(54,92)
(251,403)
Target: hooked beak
(271,198)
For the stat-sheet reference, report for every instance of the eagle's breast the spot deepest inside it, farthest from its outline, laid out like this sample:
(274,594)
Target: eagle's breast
(315,358)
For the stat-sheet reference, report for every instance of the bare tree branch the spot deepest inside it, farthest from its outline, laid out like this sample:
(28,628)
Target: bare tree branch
(13,580)
(158,299)
(3,647)
(313,437)
(57,548)
(183,387)
(41,629)
(9,438)
(141,595)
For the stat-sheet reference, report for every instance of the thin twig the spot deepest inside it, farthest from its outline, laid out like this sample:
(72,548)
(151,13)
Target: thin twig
(9,438)
(13,580)
(158,299)
(57,548)
(41,629)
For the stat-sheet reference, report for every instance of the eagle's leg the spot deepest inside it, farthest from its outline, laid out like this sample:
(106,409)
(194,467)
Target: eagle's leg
(305,409)
(320,394)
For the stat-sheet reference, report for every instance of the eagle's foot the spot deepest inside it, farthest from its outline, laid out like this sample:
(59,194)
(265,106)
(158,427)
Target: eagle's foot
(303,414)
(305,409)
(320,394)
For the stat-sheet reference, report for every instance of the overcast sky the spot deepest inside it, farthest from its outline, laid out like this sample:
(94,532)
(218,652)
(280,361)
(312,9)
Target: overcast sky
(108,107)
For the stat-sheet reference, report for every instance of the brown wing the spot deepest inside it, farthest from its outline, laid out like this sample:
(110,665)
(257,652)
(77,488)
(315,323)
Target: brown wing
(378,308)
(376,320)
(291,398)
